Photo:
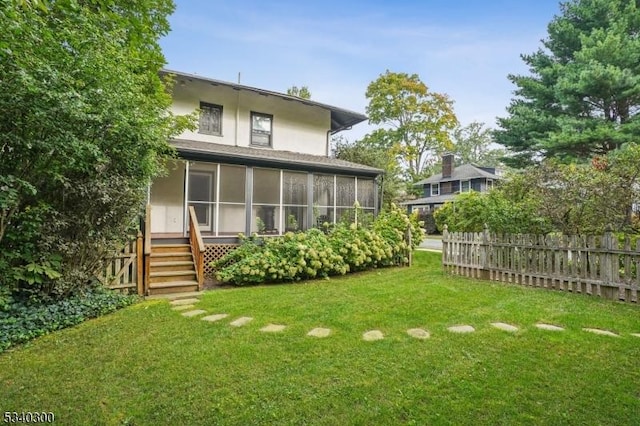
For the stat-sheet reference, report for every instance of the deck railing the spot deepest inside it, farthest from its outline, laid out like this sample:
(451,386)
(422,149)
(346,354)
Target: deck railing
(147,248)
(197,246)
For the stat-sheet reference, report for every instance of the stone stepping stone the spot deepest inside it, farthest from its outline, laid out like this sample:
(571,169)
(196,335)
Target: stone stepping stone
(635,334)
(273,328)
(549,327)
(461,329)
(184,302)
(601,332)
(372,335)
(418,333)
(505,327)
(194,313)
(319,332)
(214,318)
(182,307)
(241,321)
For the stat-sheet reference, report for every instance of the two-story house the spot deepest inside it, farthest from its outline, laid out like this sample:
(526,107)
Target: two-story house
(443,187)
(258,162)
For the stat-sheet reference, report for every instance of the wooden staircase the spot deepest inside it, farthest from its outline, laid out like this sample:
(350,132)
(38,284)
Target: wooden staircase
(172,269)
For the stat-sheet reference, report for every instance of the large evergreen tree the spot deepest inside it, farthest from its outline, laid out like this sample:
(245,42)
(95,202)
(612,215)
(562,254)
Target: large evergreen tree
(583,95)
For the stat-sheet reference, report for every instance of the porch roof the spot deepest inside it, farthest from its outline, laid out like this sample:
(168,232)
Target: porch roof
(266,157)
(437,199)
(341,118)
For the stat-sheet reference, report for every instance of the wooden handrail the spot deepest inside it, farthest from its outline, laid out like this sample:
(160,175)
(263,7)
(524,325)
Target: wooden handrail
(147,230)
(197,245)
(147,248)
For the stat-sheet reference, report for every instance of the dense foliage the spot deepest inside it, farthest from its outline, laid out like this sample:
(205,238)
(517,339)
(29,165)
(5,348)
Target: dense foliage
(23,321)
(372,151)
(473,144)
(572,199)
(583,95)
(340,249)
(84,127)
(416,120)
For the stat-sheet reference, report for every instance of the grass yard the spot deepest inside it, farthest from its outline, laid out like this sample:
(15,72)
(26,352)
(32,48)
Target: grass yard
(148,365)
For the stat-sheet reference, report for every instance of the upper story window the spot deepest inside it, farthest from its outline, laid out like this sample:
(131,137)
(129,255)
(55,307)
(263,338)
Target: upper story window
(435,189)
(210,119)
(465,186)
(489,184)
(261,129)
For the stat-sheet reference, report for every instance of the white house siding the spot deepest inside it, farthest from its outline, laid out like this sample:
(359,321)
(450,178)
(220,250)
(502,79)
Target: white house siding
(296,127)
(167,200)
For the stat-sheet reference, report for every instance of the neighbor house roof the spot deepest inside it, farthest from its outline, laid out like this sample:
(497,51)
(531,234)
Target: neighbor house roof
(196,150)
(341,118)
(463,172)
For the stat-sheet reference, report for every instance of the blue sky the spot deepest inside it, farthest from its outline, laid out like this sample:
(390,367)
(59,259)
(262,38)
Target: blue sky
(464,48)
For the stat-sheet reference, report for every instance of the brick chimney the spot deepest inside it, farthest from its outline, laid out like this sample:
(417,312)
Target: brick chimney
(447,165)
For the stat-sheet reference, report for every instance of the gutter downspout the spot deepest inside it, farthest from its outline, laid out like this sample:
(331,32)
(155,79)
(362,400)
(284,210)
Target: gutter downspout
(237,113)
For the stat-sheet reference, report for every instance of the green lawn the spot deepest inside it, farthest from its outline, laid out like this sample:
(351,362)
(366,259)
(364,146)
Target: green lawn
(149,365)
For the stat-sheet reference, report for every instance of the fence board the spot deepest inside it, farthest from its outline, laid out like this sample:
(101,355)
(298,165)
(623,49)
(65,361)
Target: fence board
(566,263)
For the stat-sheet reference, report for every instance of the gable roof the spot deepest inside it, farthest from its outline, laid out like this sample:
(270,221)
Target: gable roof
(463,172)
(207,151)
(341,118)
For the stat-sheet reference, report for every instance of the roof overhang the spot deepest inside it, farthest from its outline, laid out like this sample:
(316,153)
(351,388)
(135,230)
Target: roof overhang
(263,157)
(341,118)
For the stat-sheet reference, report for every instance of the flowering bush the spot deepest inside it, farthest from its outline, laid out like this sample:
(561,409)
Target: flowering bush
(343,248)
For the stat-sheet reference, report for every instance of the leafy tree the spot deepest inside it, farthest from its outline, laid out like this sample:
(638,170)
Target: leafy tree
(416,121)
(301,92)
(83,130)
(472,144)
(583,95)
(372,152)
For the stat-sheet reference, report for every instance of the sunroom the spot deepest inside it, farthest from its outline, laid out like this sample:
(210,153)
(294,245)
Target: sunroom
(249,190)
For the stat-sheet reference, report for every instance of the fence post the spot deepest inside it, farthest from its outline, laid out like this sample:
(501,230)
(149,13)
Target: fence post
(485,274)
(445,246)
(409,245)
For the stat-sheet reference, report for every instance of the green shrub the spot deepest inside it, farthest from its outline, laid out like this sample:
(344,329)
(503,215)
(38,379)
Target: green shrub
(21,321)
(343,248)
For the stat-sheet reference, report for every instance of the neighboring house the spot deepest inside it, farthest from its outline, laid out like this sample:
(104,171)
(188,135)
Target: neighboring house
(443,187)
(257,162)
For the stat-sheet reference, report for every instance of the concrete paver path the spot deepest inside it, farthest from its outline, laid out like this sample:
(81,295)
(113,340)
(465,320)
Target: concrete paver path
(461,329)
(418,333)
(549,327)
(319,332)
(372,335)
(194,313)
(215,317)
(241,321)
(505,327)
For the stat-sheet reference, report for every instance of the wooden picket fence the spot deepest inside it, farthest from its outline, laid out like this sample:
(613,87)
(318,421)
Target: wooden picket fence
(592,265)
(124,270)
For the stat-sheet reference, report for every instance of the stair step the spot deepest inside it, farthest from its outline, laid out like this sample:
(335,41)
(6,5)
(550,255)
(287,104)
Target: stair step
(170,248)
(173,284)
(170,276)
(172,263)
(172,266)
(173,287)
(171,257)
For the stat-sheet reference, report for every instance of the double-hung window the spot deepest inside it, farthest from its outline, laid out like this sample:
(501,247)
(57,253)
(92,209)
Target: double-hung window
(435,189)
(465,186)
(261,129)
(210,122)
